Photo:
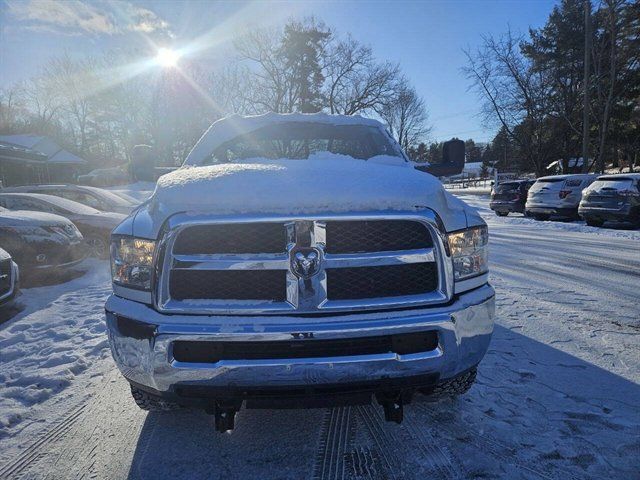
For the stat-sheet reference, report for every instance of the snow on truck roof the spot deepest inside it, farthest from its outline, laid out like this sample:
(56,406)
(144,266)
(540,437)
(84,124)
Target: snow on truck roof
(227,128)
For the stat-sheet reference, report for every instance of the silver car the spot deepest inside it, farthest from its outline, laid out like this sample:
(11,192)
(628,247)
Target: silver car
(557,195)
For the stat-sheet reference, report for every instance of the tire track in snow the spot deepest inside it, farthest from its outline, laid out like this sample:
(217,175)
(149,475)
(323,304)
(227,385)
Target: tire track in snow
(38,450)
(498,450)
(336,438)
(440,460)
(386,443)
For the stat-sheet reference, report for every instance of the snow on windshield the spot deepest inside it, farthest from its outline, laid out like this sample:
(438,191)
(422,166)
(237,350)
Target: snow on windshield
(300,141)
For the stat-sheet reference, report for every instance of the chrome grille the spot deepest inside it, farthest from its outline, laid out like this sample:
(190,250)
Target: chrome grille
(327,264)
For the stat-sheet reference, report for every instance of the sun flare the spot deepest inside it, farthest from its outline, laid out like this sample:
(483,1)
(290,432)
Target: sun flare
(167,57)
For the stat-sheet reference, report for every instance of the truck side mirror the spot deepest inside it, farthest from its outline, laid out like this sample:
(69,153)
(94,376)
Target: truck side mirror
(452,160)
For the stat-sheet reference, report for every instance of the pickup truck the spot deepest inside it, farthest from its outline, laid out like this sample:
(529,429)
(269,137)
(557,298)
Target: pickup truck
(298,260)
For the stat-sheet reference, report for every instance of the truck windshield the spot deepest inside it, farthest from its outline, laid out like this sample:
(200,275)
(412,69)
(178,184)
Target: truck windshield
(299,141)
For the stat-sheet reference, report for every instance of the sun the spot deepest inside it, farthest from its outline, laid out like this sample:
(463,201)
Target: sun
(167,57)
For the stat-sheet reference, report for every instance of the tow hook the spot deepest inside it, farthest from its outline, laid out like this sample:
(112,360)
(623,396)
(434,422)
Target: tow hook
(225,414)
(393,404)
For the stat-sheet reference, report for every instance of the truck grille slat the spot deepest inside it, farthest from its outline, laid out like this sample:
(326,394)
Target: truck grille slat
(232,238)
(292,265)
(387,281)
(228,285)
(376,236)
(212,351)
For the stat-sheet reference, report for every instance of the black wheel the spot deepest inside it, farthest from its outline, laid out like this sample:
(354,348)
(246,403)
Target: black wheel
(541,216)
(502,214)
(152,403)
(98,246)
(454,387)
(594,222)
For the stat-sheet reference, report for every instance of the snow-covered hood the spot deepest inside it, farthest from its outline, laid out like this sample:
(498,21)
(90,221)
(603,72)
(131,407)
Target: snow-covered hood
(333,184)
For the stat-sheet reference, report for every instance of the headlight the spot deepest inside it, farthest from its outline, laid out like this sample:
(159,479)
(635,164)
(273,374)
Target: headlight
(132,261)
(469,252)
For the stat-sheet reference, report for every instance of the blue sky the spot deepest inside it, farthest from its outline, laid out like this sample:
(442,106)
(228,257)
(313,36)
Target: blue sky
(425,37)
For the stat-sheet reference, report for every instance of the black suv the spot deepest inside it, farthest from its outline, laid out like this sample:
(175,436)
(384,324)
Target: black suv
(509,197)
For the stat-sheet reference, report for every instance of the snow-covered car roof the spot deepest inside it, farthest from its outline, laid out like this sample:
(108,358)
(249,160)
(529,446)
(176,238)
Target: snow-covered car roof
(19,218)
(99,192)
(619,176)
(228,128)
(566,176)
(60,202)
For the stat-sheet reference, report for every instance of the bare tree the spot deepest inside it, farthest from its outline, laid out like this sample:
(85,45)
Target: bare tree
(76,83)
(42,99)
(273,89)
(12,109)
(406,116)
(515,95)
(356,83)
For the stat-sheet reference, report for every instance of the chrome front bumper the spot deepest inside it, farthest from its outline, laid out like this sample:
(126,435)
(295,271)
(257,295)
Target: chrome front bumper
(464,330)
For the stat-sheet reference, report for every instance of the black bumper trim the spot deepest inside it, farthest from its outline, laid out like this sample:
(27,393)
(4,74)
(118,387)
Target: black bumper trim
(293,396)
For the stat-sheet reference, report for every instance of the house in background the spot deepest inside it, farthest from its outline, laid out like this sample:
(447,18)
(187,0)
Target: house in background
(55,165)
(20,166)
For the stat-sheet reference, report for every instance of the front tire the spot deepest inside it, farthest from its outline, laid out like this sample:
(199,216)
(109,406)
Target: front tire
(541,216)
(151,403)
(593,222)
(453,387)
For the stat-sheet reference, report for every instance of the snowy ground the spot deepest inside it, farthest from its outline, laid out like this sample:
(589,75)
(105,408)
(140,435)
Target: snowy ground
(558,395)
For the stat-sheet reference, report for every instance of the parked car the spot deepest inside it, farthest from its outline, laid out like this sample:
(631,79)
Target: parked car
(509,197)
(9,278)
(557,195)
(94,197)
(298,260)
(612,197)
(40,242)
(95,226)
(104,177)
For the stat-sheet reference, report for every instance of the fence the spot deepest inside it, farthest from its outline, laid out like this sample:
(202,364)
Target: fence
(466,180)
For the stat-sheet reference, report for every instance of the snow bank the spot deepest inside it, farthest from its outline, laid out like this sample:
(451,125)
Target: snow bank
(323,183)
(57,337)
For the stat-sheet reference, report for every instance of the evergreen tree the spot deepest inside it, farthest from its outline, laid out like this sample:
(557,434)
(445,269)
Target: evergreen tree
(302,48)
